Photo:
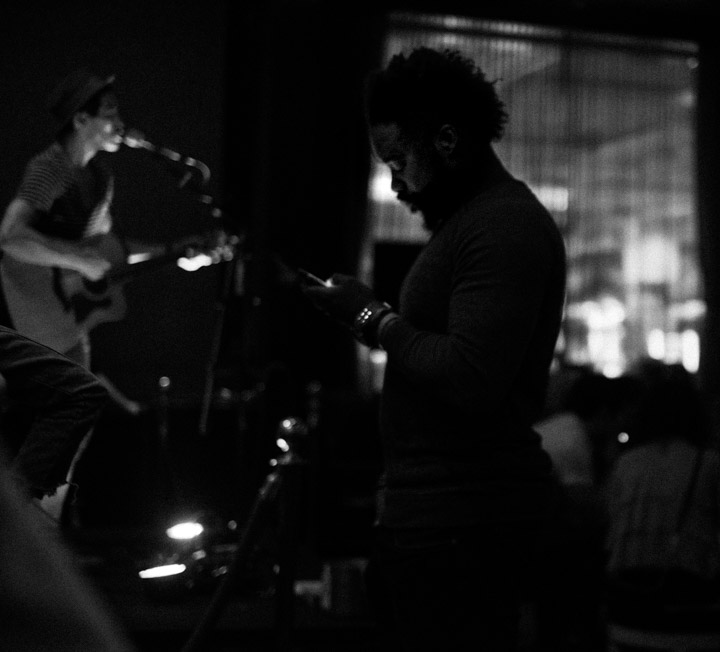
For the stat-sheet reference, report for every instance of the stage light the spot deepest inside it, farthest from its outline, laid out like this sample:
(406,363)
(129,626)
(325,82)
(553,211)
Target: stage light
(168,580)
(185,531)
(192,554)
(162,571)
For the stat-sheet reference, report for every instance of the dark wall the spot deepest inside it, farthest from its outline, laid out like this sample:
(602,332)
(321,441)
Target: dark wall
(708,162)
(169,59)
(302,192)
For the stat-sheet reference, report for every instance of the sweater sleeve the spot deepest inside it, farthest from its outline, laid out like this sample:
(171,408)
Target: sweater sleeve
(499,284)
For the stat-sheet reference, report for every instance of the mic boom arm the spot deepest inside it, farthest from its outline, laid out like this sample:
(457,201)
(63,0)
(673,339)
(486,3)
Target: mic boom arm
(136,140)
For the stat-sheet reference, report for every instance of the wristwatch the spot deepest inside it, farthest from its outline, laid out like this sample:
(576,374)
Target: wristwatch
(366,322)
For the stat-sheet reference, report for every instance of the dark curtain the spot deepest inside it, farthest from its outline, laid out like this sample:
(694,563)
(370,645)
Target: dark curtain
(708,211)
(297,174)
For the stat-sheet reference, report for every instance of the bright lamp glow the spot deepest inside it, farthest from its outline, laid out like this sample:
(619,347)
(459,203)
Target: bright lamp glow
(555,198)
(188,530)
(194,263)
(656,344)
(380,190)
(162,571)
(690,343)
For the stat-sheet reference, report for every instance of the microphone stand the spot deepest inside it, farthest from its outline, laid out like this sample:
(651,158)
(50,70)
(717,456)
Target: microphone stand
(136,140)
(220,311)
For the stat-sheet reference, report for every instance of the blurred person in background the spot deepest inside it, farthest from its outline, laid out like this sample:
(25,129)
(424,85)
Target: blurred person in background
(583,437)
(663,500)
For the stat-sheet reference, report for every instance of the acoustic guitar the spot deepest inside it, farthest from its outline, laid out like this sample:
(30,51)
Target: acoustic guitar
(53,304)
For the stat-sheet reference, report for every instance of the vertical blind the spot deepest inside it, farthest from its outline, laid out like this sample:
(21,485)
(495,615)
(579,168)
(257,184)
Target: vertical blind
(602,128)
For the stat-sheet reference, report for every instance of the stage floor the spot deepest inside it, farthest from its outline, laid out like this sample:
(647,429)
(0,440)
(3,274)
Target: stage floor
(252,616)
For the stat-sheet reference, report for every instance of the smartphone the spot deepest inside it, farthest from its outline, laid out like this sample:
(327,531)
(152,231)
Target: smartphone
(311,279)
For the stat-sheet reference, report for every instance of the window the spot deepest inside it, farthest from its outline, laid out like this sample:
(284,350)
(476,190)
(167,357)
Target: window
(602,129)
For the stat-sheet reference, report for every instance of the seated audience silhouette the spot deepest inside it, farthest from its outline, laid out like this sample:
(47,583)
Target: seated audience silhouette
(663,503)
(581,437)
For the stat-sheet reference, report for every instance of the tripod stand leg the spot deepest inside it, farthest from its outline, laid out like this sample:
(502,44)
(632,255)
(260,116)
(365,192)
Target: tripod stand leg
(210,368)
(265,497)
(290,511)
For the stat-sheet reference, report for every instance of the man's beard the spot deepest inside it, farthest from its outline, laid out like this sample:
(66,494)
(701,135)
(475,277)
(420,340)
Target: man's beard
(439,199)
(424,202)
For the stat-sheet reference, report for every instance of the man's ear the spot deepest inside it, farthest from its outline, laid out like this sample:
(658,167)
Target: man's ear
(80,118)
(446,140)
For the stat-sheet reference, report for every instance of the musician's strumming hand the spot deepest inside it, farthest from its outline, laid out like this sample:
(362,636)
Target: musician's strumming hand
(92,266)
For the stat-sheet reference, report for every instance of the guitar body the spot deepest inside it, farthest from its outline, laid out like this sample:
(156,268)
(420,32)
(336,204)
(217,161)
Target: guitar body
(92,302)
(55,306)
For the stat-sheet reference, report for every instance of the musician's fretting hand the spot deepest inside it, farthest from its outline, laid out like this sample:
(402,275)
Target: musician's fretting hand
(221,247)
(193,262)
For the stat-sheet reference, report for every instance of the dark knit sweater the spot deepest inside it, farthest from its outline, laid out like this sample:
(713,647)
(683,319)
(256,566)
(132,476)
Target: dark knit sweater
(468,363)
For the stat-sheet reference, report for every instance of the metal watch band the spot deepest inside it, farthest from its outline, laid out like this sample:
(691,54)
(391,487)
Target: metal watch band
(366,320)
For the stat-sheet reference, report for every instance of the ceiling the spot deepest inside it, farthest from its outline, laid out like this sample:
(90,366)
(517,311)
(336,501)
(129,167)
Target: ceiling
(685,19)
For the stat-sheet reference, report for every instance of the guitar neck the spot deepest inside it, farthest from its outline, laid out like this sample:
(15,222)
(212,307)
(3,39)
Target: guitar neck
(222,249)
(128,271)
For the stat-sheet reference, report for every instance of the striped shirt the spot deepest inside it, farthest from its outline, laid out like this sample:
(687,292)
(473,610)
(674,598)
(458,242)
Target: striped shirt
(73,202)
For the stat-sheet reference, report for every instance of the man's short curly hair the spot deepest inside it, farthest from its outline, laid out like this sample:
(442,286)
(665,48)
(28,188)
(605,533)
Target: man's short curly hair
(428,88)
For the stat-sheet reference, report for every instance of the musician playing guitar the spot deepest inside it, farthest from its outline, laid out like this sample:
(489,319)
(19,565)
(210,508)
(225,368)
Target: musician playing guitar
(59,225)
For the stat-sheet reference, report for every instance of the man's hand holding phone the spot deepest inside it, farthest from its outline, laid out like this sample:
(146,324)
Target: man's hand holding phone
(310,279)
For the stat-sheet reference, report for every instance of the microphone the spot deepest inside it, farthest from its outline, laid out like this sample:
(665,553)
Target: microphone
(136,140)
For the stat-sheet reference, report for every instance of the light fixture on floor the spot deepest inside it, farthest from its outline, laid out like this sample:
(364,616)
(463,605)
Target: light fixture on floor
(189,557)
(185,530)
